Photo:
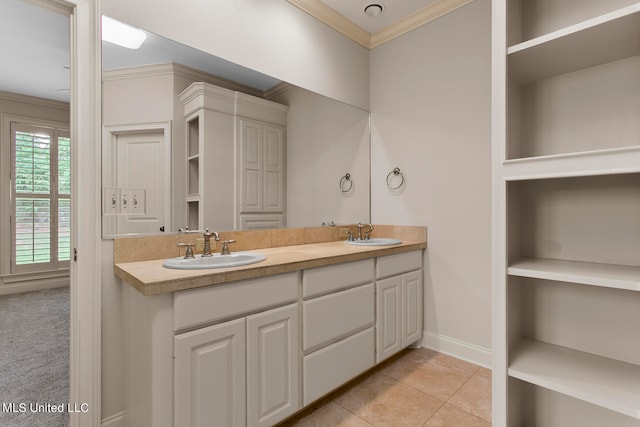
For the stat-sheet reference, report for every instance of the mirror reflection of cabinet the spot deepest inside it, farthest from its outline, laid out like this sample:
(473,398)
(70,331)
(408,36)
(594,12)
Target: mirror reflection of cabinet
(222,125)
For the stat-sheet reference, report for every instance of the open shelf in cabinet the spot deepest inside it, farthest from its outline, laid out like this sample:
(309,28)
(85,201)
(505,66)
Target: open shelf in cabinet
(599,40)
(605,382)
(589,110)
(590,219)
(193,213)
(587,273)
(193,175)
(193,136)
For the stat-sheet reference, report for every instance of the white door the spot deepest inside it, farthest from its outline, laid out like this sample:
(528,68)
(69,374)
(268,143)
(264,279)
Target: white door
(388,320)
(141,176)
(209,376)
(272,366)
(411,303)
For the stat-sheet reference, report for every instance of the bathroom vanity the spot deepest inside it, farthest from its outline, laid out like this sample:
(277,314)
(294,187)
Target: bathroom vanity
(252,345)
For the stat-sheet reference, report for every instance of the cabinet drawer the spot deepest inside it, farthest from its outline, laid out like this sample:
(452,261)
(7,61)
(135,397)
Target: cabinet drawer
(391,265)
(336,364)
(337,315)
(205,305)
(322,280)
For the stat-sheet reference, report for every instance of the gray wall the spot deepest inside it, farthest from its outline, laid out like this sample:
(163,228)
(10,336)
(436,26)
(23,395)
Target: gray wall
(430,112)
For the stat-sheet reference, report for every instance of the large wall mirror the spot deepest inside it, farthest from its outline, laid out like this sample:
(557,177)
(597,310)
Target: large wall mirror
(193,140)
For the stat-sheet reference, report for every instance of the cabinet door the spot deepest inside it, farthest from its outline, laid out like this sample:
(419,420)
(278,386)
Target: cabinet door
(273,176)
(273,365)
(251,161)
(388,320)
(209,376)
(411,307)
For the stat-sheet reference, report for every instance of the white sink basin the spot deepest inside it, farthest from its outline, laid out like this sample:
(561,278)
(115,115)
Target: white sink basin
(217,261)
(376,241)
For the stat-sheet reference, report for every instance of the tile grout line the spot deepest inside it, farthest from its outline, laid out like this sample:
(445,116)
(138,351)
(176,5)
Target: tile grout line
(462,409)
(353,413)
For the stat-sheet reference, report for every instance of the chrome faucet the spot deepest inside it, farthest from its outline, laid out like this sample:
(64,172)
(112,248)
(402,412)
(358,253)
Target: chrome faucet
(206,251)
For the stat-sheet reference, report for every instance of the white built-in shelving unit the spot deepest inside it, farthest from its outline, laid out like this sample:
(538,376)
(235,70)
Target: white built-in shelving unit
(566,224)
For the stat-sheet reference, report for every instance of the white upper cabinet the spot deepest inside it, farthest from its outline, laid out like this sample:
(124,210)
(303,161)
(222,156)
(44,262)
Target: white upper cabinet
(223,125)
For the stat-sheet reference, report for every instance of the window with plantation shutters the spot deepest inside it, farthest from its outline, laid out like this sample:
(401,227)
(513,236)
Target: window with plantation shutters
(40,196)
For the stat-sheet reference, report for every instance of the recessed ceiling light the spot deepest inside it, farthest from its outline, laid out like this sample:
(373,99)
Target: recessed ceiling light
(122,34)
(374,9)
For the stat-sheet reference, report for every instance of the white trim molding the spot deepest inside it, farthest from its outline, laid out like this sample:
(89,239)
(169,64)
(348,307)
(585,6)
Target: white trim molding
(18,283)
(26,99)
(338,22)
(180,70)
(6,119)
(453,347)
(86,275)
(115,420)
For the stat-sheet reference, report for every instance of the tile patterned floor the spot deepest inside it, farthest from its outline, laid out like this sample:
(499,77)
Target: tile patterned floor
(418,387)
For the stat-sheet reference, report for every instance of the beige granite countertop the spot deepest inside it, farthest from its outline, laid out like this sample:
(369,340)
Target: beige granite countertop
(151,278)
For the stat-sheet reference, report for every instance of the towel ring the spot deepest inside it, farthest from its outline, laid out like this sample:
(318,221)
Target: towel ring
(346,183)
(395,172)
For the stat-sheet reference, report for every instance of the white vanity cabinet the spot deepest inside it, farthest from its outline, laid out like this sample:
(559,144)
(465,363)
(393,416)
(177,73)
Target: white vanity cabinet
(209,376)
(253,352)
(338,325)
(273,366)
(242,372)
(210,363)
(398,303)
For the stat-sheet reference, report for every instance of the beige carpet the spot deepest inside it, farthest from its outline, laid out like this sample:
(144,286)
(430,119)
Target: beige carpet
(34,358)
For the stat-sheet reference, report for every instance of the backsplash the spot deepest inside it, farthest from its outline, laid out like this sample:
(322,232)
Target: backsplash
(145,248)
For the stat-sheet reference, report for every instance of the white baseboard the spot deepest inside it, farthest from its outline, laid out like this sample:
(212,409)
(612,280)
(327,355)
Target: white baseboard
(115,420)
(36,285)
(456,348)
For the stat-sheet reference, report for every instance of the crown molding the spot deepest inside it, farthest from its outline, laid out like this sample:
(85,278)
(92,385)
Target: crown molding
(26,99)
(173,68)
(430,13)
(330,17)
(338,22)
(277,90)
(201,76)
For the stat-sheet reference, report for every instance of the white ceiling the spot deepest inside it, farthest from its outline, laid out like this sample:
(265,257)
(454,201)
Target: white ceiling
(394,11)
(35,54)
(35,47)
(35,51)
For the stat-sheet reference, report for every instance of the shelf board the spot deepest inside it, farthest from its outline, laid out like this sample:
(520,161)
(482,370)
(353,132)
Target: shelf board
(602,381)
(597,41)
(595,162)
(193,198)
(586,273)
(194,157)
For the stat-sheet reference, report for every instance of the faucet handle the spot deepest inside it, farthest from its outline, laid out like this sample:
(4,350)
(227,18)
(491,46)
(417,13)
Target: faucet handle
(225,247)
(189,253)
(350,236)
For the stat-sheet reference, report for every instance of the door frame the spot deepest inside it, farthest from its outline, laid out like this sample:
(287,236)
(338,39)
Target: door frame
(85,268)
